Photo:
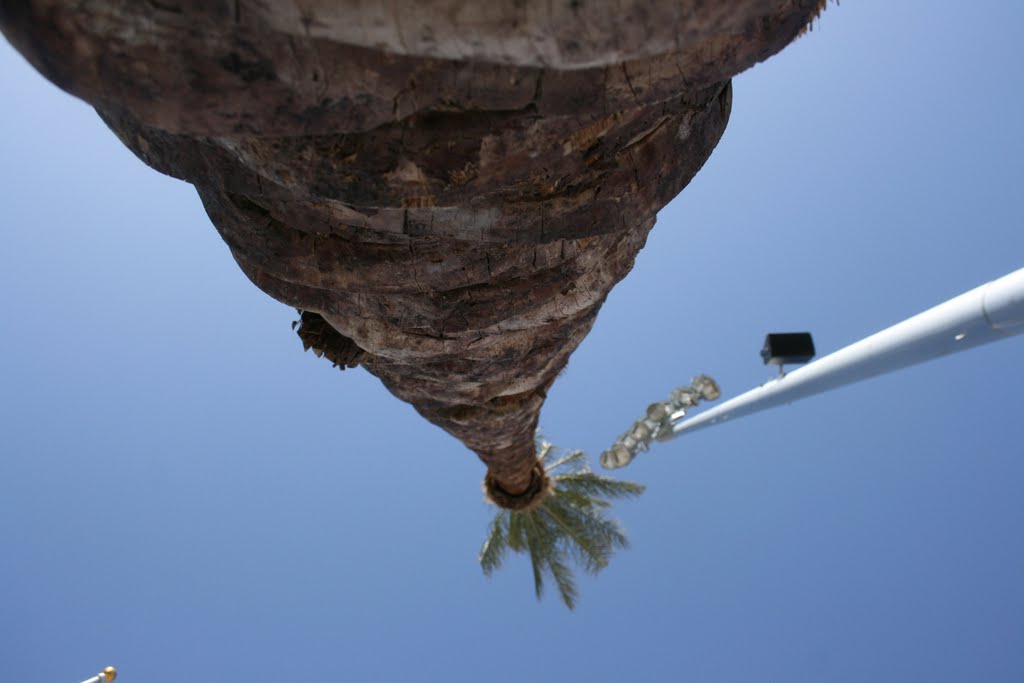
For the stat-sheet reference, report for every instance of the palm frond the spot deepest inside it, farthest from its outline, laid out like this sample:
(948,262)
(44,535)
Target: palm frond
(516,532)
(590,484)
(595,536)
(564,579)
(569,524)
(588,547)
(582,500)
(538,552)
(492,554)
(573,457)
(545,449)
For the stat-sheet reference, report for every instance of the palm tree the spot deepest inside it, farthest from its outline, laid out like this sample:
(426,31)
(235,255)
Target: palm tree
(448,196)
(447,191)
(567,522)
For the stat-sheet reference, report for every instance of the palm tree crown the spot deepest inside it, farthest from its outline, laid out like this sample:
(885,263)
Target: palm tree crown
(568,523)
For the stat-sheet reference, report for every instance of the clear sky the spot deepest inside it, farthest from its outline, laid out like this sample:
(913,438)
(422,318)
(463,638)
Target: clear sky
(183,492)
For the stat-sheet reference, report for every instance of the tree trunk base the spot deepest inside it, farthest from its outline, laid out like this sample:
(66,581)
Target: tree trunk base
(539,488)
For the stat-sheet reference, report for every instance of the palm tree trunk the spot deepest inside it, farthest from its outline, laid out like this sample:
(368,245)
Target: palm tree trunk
(454,187)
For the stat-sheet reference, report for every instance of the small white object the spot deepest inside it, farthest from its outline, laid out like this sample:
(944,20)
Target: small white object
(105,676)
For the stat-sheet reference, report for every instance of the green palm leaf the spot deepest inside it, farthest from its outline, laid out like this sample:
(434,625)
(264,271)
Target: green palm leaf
(593,485)
(570,523)
(539,552)
(550,461)
(564,579)
(493,552)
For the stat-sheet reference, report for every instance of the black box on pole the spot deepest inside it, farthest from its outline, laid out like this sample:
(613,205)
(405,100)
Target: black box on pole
(787,348)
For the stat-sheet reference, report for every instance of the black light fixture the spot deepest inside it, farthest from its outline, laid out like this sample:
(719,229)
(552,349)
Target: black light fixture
(787,348)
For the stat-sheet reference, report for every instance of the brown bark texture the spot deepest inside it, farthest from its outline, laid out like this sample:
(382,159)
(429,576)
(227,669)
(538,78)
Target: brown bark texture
(454,186)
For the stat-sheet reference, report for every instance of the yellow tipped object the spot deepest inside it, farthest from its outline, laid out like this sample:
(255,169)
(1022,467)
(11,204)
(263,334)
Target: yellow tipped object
(105,676)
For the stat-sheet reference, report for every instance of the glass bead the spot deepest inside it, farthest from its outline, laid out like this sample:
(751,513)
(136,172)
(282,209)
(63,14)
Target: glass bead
(615,457)
(685,397)
(706,387)
(641,432)
(658,411)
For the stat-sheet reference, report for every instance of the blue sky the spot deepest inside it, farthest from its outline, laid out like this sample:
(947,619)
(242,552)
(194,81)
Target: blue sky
(183,490)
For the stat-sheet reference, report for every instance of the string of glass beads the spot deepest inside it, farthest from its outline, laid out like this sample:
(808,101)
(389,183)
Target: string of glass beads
(657,424)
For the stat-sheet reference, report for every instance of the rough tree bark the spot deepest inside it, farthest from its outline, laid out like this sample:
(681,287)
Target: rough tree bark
(453,186)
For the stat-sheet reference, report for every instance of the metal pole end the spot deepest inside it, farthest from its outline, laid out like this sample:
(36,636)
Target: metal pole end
(110,673)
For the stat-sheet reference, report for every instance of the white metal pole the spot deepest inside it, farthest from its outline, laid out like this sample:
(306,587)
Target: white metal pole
(105,676)
(985,314)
